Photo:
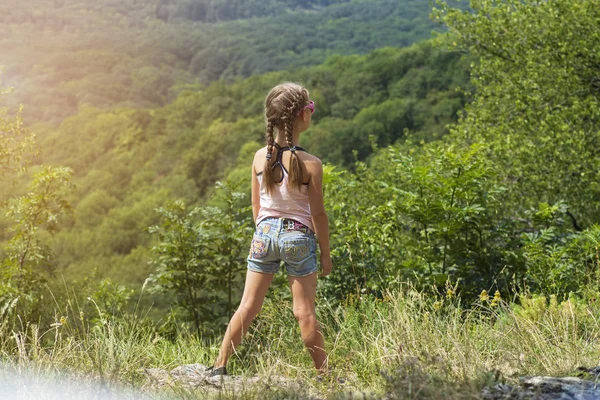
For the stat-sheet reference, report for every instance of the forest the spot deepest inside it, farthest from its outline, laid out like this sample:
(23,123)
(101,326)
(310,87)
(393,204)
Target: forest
(461,184)
(144,53)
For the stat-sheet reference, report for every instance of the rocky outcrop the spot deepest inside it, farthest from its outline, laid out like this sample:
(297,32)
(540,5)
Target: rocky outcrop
(195,376)
(585,387)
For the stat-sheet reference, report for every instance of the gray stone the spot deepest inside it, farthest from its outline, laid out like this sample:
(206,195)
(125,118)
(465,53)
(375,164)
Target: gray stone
(194,376)
(548,388)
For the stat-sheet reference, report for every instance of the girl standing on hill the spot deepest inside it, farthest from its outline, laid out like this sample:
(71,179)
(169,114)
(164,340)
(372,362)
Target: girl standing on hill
(288,210)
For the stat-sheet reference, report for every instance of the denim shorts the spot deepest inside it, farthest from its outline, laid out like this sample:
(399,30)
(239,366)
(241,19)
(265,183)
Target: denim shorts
(278,239)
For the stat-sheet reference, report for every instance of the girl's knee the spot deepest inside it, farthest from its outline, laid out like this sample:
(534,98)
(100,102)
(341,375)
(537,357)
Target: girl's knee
(304,314)
(249,309)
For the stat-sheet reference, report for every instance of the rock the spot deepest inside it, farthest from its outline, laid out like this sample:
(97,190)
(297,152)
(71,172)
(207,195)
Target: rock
(548,388)
(194,376)
(593,373)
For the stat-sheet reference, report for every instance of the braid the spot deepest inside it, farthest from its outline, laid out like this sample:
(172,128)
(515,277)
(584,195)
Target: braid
(270,139)
(295,172)
(292,110)
(267,170)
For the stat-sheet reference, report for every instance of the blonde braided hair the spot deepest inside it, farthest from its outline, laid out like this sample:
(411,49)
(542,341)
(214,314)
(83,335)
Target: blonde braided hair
(282,106)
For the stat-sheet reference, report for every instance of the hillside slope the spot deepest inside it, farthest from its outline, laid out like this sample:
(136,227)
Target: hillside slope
(63,55)
(129,161)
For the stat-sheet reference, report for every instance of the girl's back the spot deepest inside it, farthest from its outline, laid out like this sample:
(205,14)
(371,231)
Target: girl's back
(285,201)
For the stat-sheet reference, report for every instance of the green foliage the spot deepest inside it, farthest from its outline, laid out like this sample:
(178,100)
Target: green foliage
(26,260)
(507,201)
(29,261)
(374,96)
(363,234)
(17,141)
(434,215)
(92,209)
(217,149)
(537,100)
(448,202)
(104,53)
(180,263)
(110,299)
(128,161)
(219,10)
(200,257)
(231,227)
(394,347)
(430,215)
(562,263)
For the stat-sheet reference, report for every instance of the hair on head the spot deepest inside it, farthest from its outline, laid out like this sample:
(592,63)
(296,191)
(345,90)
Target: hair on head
(282,105)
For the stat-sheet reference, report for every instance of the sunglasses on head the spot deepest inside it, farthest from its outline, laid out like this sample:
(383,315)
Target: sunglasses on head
(310,106)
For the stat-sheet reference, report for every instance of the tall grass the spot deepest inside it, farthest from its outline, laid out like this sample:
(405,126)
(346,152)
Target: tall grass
(403,346)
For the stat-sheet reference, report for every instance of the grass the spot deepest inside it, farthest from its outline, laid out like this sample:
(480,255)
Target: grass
(404,346)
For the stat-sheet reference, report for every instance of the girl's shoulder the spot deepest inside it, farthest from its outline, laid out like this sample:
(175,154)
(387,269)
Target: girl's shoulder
(304,156)
(261,152)
(260,155)
(259,159)
(311,162)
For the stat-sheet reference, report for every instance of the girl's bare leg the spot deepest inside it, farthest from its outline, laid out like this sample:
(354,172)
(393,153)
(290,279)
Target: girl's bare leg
(255,289)
(304,290)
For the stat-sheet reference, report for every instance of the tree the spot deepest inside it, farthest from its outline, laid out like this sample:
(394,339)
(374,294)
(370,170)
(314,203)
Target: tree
(230,226)
(200,256)
(537,100)
(15,140)
(28,260)
(179,261)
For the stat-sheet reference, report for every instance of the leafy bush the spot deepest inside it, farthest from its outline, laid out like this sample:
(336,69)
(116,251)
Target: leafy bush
(537,98)
(562,263)
(429,215)
(200,257)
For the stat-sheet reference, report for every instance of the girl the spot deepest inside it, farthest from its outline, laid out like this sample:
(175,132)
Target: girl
(288,210)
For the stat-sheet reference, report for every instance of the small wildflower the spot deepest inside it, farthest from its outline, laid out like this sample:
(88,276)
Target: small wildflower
(449,293)
(494,302)
(63,320)
(497,296)
(484,296)
(81,315)
(437,305)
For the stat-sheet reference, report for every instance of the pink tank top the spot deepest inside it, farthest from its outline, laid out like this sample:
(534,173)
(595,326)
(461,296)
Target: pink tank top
(283,201)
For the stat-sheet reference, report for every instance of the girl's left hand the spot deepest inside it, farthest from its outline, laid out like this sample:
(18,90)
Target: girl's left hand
(327,265)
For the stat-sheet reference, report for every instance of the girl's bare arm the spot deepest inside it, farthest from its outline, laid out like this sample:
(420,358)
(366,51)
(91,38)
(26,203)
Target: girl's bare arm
(255,191)
(319,215)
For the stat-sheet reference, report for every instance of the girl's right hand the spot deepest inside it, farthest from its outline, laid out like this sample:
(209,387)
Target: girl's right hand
(326,264)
